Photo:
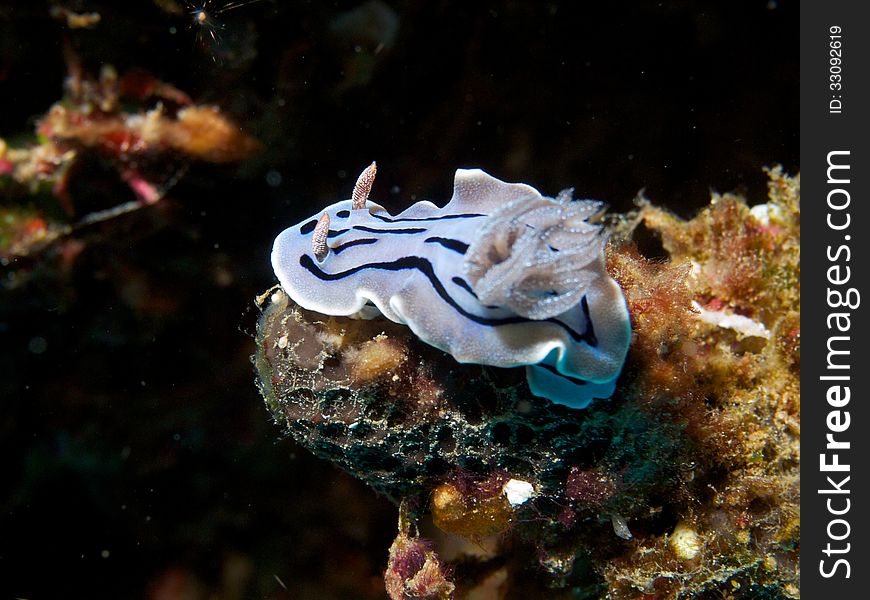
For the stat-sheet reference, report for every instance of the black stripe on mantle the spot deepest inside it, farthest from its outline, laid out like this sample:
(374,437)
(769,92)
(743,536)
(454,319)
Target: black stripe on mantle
(416,219)
(425,267)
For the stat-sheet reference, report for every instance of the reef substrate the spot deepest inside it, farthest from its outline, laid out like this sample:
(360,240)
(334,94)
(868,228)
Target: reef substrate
(684,484)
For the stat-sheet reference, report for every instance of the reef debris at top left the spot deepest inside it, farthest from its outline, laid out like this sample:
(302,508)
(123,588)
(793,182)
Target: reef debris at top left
(146,131)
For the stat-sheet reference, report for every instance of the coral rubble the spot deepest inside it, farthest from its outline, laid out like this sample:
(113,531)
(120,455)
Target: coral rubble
(683,485)
(414,571)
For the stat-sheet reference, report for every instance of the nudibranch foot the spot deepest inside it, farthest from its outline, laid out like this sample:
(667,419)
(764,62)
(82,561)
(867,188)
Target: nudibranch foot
(575,393)
(500,275)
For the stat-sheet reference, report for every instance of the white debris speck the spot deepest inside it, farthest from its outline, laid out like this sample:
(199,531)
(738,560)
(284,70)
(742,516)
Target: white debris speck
(518,492)
(685,541)
(330,341)
(620,527)
(695,271)
(744,326)
(765,213)
(283,342)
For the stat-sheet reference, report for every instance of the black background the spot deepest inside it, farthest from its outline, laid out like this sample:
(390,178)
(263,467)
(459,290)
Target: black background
(136,451)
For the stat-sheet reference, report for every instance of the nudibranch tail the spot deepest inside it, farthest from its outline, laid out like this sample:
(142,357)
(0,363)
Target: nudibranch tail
(363,186)
(319,237)
(500,275)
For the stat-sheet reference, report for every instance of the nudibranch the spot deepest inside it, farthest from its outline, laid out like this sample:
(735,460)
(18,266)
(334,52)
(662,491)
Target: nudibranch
(500,275)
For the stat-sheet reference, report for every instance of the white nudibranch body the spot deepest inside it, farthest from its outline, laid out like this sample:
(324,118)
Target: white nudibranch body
(500,276)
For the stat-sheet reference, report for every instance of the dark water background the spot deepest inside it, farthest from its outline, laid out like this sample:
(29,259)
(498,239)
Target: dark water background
(137,457)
